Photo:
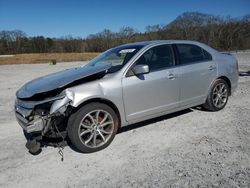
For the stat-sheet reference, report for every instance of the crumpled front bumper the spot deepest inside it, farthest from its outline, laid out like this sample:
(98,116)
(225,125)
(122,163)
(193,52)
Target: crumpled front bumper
(36,125)
(22,116)
(42,120)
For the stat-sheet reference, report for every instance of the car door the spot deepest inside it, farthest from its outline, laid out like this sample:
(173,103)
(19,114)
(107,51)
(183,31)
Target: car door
(198,71)
(155,92)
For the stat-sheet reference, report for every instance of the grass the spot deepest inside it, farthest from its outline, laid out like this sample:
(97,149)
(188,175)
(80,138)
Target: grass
(46,58)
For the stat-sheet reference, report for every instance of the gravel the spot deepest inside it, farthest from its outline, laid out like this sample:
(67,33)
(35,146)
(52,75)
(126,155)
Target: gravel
(191,148)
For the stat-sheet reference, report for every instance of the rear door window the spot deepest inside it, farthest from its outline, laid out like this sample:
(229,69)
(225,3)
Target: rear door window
(189,53)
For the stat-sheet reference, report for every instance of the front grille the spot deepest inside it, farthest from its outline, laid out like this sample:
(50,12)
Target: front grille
(22,121)
(24,112)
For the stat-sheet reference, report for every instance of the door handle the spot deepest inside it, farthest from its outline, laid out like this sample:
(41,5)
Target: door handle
(171,76)
(211,67)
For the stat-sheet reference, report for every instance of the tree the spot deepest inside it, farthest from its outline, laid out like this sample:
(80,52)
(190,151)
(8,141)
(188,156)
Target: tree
(222,33)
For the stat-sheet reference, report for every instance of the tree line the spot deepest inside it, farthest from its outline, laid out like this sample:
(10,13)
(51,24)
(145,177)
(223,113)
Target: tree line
(221,33)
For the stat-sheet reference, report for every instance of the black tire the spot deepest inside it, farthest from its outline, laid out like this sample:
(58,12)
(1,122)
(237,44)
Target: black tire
(210,103)
(74,127)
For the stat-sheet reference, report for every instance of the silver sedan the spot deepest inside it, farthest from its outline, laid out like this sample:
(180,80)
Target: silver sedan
(124,85)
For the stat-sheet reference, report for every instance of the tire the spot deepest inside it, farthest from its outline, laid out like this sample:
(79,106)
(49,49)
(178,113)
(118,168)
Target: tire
(93,127)
(218,96)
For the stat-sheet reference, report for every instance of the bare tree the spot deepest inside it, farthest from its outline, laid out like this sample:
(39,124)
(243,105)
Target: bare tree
(222,33)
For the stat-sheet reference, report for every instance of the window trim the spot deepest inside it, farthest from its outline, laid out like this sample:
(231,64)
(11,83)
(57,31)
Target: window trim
(160,69)
(178,55)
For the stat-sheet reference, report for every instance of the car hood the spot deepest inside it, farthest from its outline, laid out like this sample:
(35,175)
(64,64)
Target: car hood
(59,80)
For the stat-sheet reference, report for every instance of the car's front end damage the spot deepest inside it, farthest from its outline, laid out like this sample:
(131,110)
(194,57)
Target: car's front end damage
(44,120)
(43,105)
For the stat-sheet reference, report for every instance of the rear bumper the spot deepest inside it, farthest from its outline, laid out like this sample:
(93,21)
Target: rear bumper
(234,82)
(234,87)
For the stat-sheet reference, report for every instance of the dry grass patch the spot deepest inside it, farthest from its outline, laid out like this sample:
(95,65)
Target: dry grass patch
(46,58)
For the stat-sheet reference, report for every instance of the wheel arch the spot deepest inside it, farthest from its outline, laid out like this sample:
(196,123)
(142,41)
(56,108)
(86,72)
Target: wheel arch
(226,79)
(103,101)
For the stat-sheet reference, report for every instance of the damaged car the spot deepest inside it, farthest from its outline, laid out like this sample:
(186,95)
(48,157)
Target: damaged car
(124,85)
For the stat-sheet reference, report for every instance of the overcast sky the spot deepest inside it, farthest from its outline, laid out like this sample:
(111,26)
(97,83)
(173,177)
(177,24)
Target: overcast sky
(55,18)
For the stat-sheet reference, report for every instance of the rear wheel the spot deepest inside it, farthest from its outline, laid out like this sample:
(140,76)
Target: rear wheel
(92,127)
(218,96)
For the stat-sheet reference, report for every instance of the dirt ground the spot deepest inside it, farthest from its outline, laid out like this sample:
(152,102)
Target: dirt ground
(45,58)
(192,148)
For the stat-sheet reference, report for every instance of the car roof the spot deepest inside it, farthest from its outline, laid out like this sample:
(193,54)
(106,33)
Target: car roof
(153,42)
(158,42)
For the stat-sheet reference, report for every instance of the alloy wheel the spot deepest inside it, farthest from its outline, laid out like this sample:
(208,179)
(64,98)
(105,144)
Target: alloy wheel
(220,95)
(96,128)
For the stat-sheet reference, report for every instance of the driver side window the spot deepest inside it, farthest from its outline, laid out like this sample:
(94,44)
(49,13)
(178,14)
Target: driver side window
(157,58)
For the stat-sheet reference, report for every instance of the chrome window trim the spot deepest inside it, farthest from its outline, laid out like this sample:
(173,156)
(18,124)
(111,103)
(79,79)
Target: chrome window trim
(144,51)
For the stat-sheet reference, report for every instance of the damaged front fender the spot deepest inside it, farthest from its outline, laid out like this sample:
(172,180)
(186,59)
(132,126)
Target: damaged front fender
(62,104)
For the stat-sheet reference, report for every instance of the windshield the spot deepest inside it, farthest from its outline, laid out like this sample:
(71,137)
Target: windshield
(117,57)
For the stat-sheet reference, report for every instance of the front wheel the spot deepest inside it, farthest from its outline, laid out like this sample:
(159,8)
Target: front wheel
(92,127)
(218,96)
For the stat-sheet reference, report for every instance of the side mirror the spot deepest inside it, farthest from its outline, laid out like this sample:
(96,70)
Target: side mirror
(140,69)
